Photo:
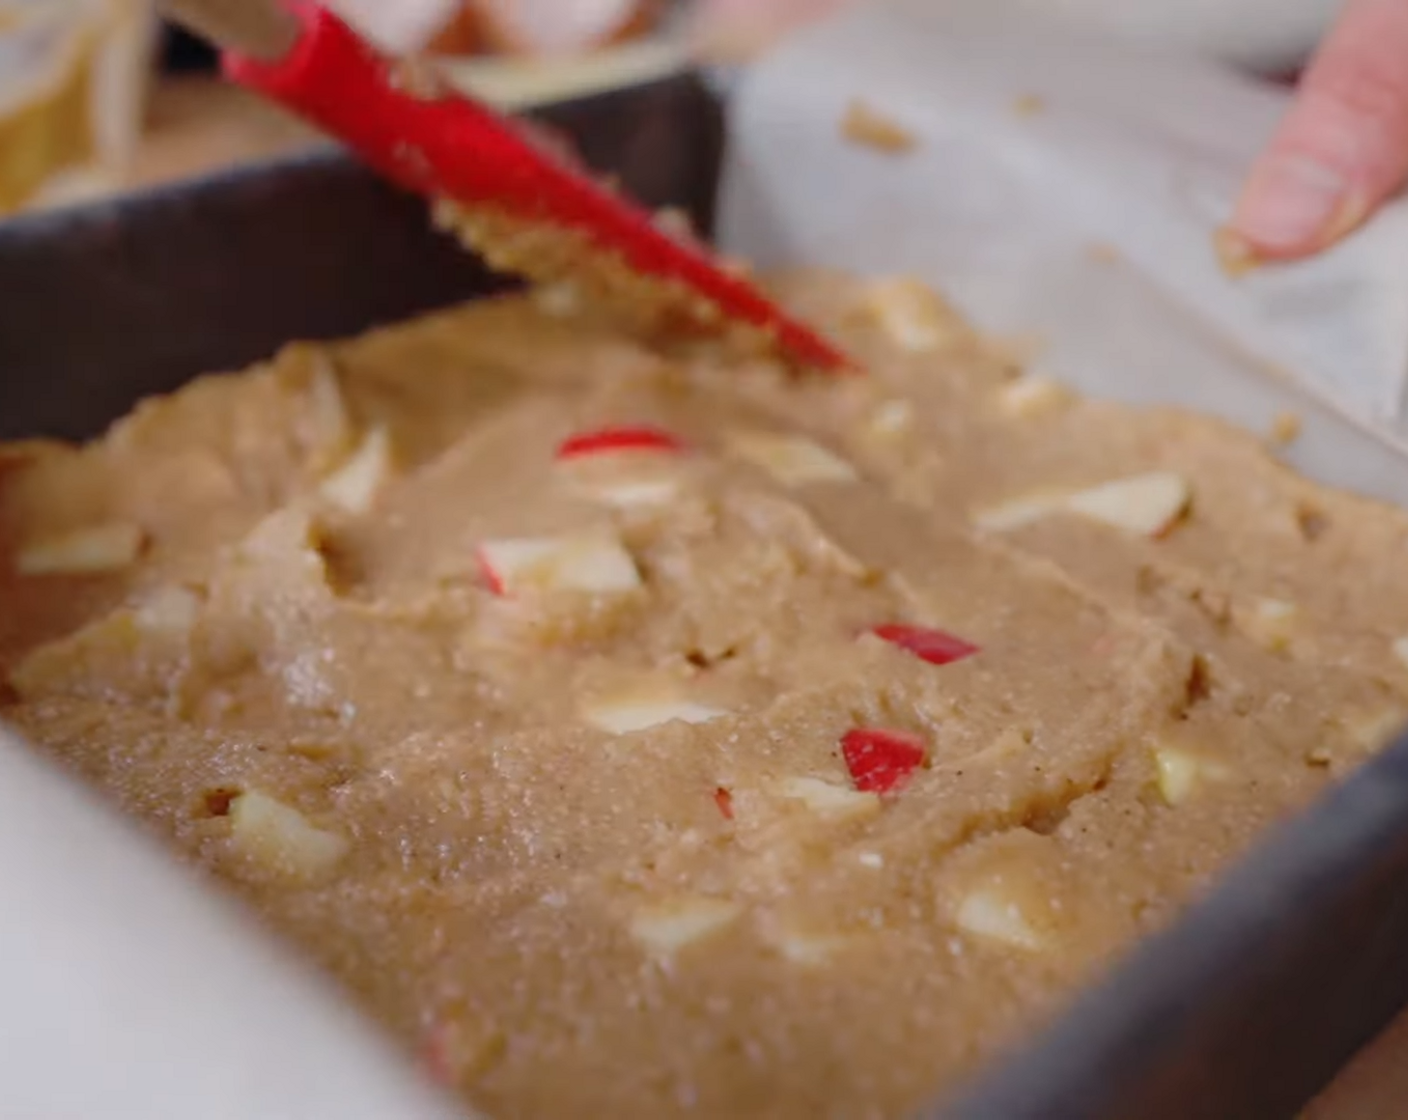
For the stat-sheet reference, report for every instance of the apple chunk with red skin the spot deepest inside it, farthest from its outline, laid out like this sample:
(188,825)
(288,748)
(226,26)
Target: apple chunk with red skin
(934,646)
(612,441)
(588,562)
(880,760)
(620,465)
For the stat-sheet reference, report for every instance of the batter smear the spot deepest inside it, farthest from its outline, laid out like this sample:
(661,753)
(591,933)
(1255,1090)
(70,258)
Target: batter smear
(638,733)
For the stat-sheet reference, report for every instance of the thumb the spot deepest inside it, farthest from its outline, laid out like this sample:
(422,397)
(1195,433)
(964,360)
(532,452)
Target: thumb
(1343,147)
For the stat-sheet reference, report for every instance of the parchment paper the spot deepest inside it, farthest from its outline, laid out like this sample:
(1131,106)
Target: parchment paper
(134,993)
(1065,189)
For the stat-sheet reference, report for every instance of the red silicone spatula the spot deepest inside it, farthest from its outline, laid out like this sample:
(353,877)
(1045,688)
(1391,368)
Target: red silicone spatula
(524,208)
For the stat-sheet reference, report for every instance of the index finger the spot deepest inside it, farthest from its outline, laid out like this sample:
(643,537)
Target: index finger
(1343,147)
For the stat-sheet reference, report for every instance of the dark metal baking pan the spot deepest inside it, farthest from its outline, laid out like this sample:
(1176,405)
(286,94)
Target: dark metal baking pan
(103,305)
(1244,1010)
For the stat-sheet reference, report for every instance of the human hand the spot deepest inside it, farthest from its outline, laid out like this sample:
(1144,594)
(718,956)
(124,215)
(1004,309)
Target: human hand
(1342,150)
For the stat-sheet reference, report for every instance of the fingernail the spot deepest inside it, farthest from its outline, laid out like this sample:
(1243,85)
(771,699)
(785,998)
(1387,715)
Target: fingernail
(1349,217)
(1293,203)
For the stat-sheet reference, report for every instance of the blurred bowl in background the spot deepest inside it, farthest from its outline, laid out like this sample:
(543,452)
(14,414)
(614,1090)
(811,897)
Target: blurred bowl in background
(547,28)
(74,77)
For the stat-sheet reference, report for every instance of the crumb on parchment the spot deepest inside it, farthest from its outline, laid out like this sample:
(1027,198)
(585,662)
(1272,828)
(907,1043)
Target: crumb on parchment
(870,128)
(1102,252)
(1285,428)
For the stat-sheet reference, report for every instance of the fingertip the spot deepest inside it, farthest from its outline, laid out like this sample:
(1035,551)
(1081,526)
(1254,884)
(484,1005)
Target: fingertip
(1343,147)
(1294,204)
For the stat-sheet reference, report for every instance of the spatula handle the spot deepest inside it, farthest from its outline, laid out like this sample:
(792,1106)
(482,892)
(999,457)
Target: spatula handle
(444,145)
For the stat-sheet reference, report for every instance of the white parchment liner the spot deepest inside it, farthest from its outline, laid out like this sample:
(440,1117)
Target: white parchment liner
(1066,189)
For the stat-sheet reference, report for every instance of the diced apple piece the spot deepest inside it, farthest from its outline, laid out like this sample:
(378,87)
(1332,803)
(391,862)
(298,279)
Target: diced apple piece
(1147,504)
(1271,623)
(992,913)
(438,1054)
(1180,772)
(282,839)
(285,547)
(454,1048)
(1018,512)
(666,928)
(1032,396)
(558,301)
(791,460)
(934,646)
(1363,732)
(1178,775)
(589,562)
(328,412)
(169,610)
(629,714)
(882,761)
(830,800)
(1011,742)
(623,467)
(1400,650)
(635,493)
(1372,731)
(354,487)
(911,314)
(103,548)
(615,441)
(891,418)
(807,949)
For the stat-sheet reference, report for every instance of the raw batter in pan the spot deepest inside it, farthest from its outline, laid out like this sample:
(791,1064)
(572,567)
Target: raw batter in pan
(638,732)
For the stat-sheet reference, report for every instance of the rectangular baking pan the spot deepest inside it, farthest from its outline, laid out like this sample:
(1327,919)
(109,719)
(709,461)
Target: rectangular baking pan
(1244,1010)
(104,305)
